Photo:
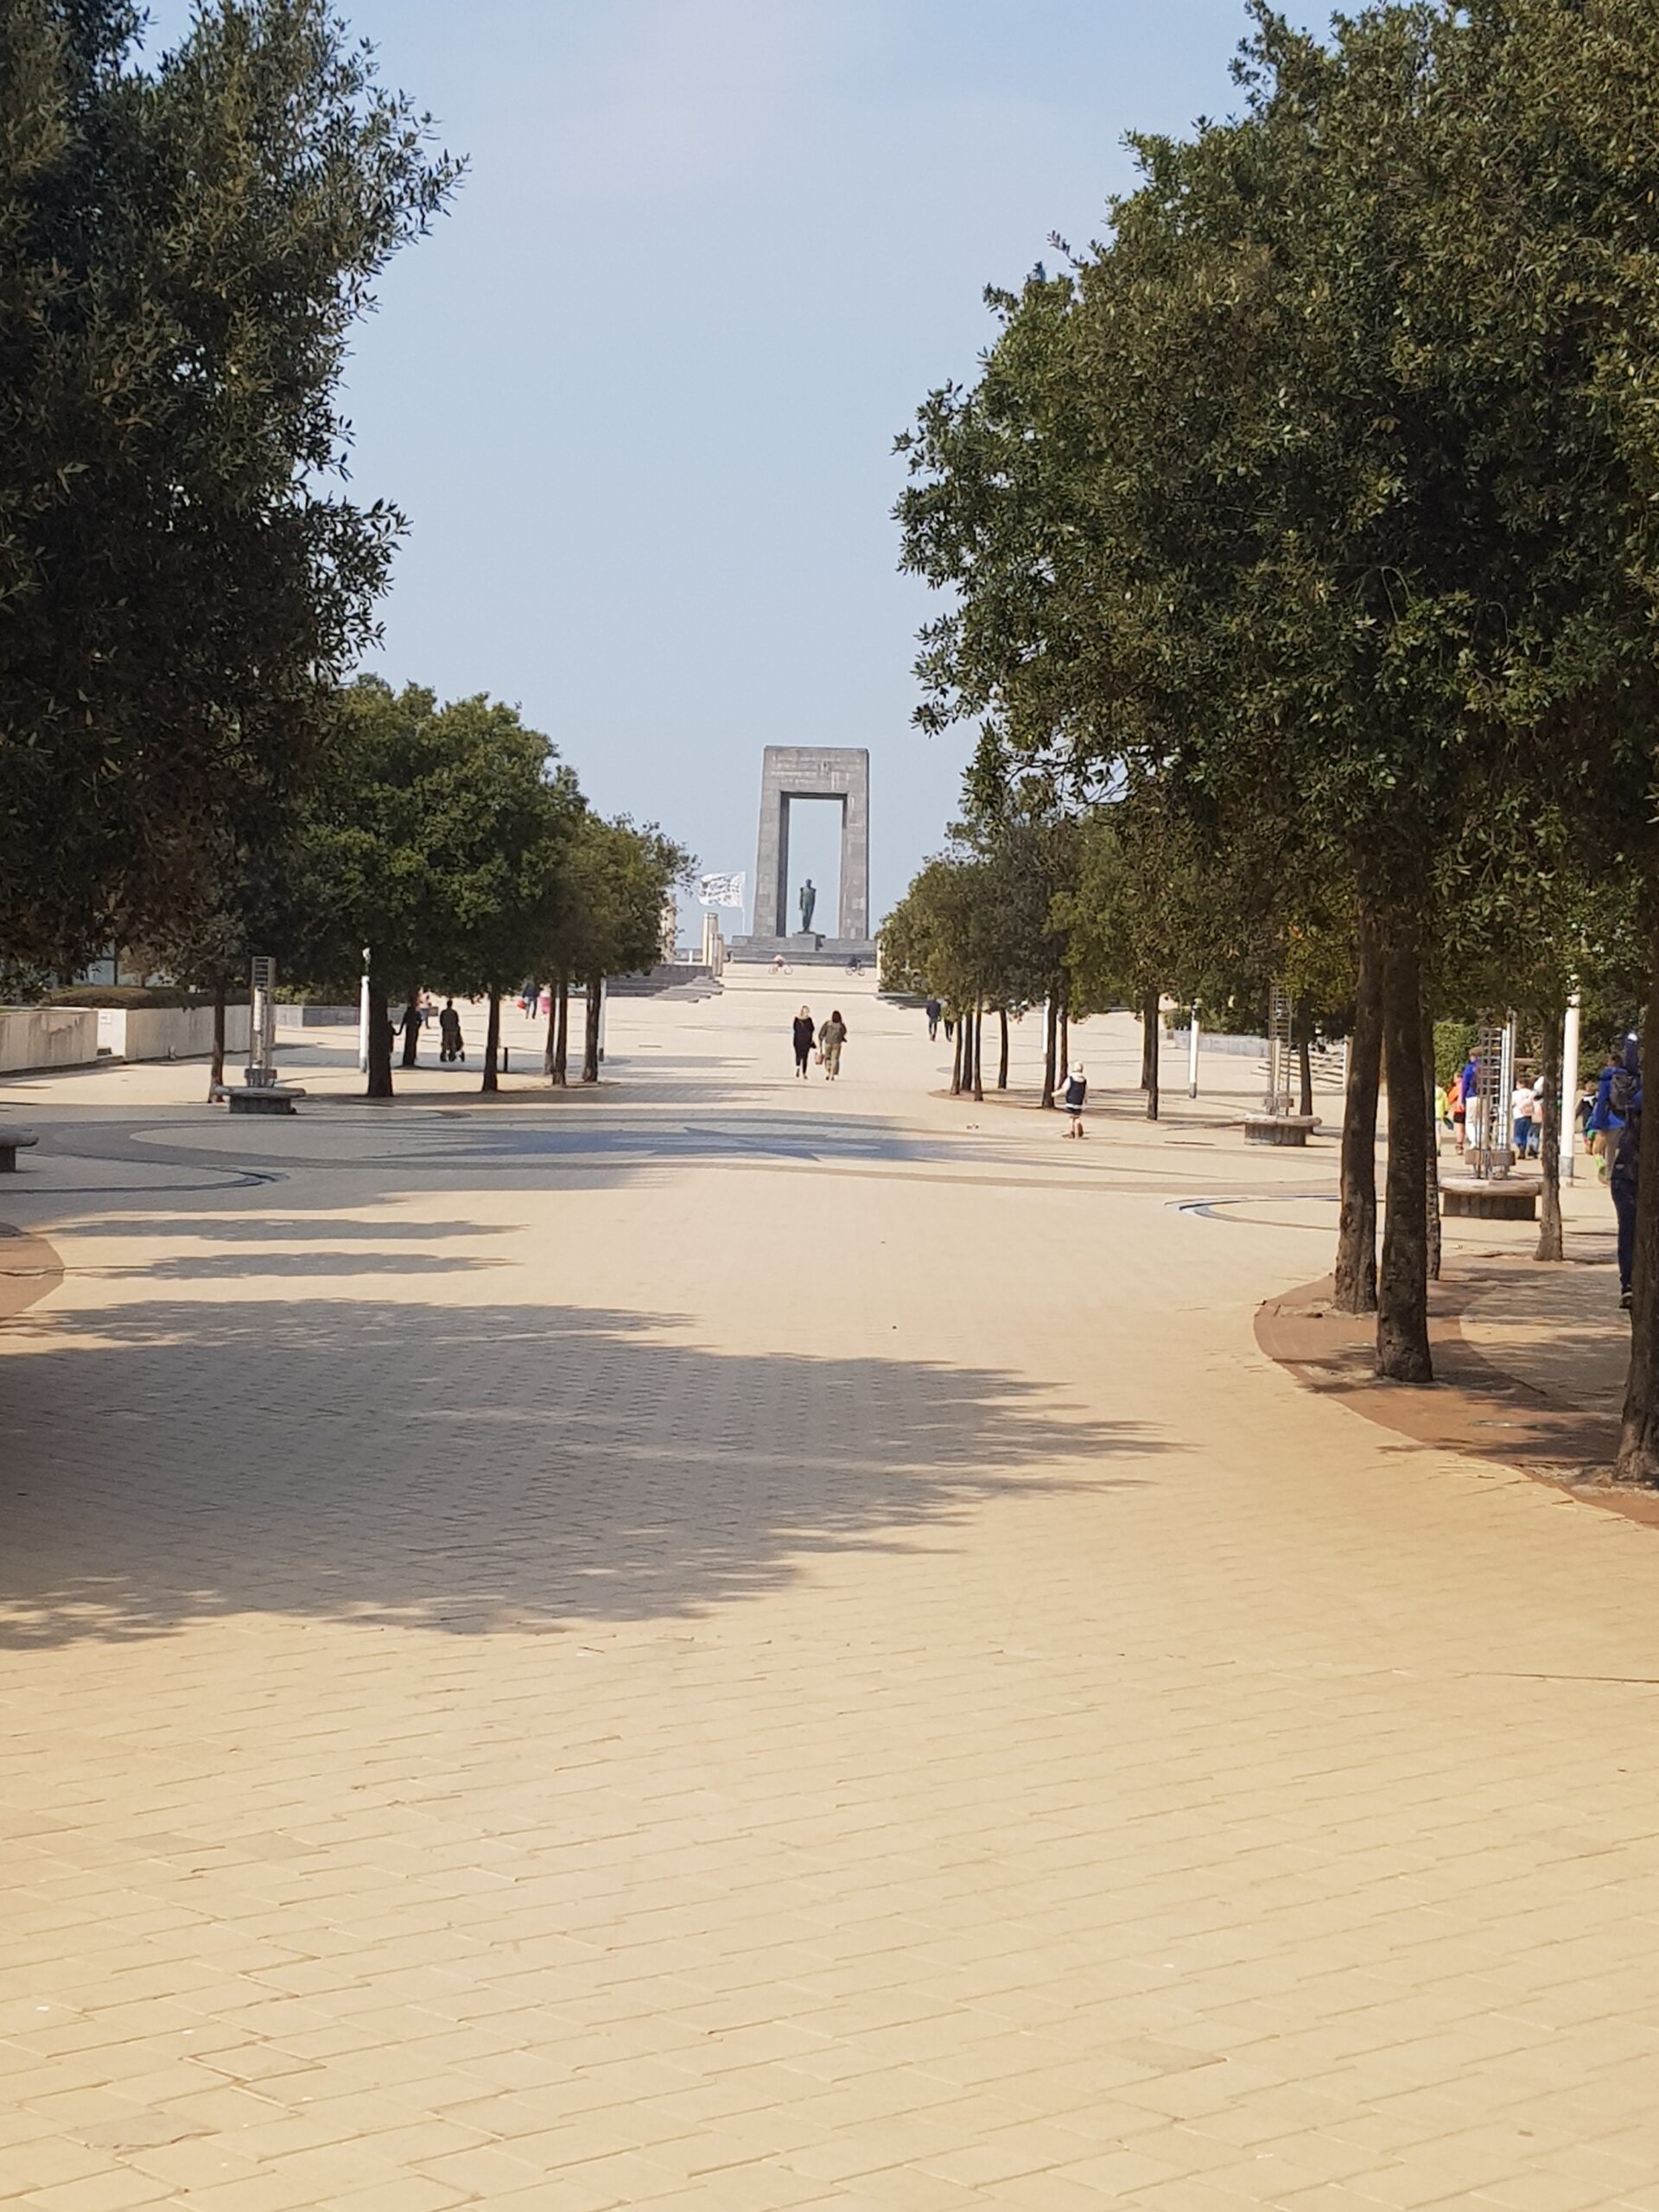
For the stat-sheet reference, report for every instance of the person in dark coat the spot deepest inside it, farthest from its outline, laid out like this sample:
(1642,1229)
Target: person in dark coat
(804,1036)
(411,1026)
(449,1044)
(1075,1095)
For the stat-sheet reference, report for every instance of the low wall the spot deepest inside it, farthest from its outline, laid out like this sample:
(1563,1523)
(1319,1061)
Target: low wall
(664,977)
(1217,1040)
(182,1033)
(48,1037)
(291,1015)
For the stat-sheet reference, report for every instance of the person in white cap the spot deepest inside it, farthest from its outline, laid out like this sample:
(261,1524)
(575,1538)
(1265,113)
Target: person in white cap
(1077,1090)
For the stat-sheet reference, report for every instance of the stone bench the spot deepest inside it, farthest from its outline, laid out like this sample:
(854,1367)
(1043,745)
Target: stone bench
(12,1141)
(255,1097)
(1498,1197)
(1279,1129)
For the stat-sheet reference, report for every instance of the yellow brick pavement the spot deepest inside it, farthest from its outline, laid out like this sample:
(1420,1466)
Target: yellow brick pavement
(735,1646)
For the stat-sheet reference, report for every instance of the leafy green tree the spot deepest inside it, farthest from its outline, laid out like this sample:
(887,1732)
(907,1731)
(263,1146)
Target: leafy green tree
(977,929)
(185,246)
(1248,505)
(433,844)
(233,911)
(607,920)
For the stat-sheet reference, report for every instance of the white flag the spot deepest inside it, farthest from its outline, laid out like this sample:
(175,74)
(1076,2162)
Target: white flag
(721,891)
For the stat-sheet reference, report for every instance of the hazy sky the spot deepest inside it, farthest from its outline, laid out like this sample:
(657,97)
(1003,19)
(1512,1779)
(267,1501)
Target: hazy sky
(638,391)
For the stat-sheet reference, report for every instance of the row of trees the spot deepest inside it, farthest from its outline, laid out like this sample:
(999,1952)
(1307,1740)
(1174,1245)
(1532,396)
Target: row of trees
(439,846)
(1302,539)
(1106,907)
(186,244)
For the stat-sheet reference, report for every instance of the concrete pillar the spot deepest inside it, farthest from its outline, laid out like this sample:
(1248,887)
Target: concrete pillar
(1569,1086)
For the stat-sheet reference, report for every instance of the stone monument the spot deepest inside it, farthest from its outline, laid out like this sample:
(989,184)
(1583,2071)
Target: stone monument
(792,771)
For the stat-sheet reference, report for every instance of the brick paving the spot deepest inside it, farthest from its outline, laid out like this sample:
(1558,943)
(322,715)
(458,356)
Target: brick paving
(724,1646)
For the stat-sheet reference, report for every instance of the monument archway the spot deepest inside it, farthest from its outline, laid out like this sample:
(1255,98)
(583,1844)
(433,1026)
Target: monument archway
(811,771)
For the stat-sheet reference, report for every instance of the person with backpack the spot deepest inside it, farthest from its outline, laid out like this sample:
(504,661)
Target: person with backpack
(831,1038)
(1601,1130)
(450,1047)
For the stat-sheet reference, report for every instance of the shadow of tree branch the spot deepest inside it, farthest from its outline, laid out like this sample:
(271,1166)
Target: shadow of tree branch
(476,1469)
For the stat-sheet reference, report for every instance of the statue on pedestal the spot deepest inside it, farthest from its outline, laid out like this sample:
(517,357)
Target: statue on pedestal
(809,903)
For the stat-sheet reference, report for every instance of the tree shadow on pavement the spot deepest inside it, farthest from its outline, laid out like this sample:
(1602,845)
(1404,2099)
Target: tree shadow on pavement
(225,1267)
(476,1469)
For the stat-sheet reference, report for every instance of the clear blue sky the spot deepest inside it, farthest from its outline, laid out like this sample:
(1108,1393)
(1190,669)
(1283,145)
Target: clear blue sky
(638,392)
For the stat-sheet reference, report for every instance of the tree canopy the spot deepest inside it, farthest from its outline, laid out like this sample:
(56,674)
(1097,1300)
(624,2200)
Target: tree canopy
(185,245)
(1304,531)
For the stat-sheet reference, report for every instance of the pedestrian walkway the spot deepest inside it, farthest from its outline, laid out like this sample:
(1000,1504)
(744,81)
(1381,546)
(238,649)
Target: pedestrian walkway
(721,1643)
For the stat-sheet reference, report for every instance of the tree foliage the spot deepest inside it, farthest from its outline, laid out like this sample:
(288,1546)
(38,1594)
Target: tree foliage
(184,247)
(1308,522)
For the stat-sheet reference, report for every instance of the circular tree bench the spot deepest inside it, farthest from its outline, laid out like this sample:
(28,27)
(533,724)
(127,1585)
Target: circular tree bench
(257,1097)
(1501,1198)
(1279,1129)
(12,1141)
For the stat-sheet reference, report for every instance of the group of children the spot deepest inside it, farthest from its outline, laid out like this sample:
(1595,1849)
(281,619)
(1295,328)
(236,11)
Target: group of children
(1460,1107)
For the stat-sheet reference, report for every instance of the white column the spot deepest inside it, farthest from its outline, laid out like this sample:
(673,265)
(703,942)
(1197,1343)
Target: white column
(363,1018)
(1506,1085)
(1193,1057)
(1569,1085)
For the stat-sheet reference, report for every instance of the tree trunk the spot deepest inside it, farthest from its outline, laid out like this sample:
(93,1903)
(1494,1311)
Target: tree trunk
(590,1034)
(562,1041)
(492,1045)
(1356,1268)
(979,1054)
(1304,1070)
(1150,1040)
(1051,1032)
(380,1083)
(1063,1056)
(1550,1245)
(1402,1354)
(955,1058)
(1432,1164)
(1145,1044)
(551,1046)
(216,1071)
(1638,1443)
(1002,1052)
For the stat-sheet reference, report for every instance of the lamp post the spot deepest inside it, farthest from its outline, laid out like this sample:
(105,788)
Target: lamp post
(1193,1054)
(363,1018)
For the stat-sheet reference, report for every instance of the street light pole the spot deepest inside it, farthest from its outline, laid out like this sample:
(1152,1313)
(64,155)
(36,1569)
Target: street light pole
(1192,1055)
(363,1018)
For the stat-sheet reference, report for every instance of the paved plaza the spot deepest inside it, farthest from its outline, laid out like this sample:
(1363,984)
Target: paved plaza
(725,1643)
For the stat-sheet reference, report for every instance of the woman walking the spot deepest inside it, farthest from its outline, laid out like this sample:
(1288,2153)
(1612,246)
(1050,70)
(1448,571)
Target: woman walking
(803,1041)
(831,1038)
